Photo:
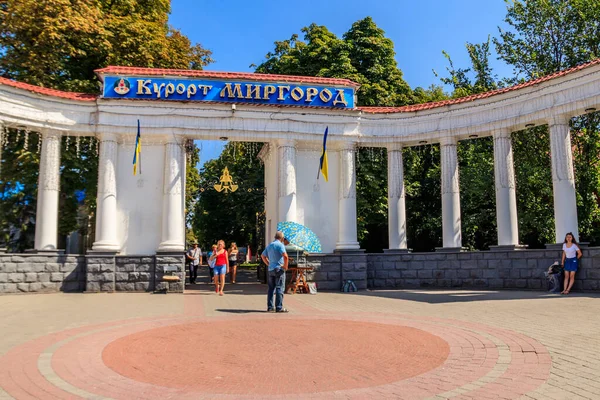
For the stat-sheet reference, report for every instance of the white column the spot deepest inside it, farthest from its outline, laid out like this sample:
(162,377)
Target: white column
(173,224)
(347,230)
(506,199)
(563,179)
(46,217)
(106,203)
(450,194)
(396,204)
(286,187)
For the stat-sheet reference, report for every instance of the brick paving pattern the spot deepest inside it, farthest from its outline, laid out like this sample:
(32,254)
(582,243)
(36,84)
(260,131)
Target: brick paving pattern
(406,344)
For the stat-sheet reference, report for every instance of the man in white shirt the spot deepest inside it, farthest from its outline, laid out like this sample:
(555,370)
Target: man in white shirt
(193,255)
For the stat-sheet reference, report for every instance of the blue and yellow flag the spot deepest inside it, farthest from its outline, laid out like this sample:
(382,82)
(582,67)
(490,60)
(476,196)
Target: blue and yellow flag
(137,152)
(324,167)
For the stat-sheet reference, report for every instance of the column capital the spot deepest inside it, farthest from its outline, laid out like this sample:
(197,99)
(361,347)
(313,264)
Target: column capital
(345,145)
(501,132)
(286,143)
(558,119)
(108,137)
(394,147)
(50,133)
(448,141)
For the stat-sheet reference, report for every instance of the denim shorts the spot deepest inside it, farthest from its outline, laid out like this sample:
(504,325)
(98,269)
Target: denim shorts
(571,264)
(220,269)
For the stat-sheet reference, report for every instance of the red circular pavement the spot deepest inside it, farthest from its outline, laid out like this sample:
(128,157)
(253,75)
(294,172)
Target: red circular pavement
(279,356)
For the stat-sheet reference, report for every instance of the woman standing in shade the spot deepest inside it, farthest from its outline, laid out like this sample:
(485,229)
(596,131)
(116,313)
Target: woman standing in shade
(570,261)
(232,253)
(221,266)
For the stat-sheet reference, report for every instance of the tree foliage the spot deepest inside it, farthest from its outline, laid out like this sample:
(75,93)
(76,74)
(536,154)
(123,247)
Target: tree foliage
(59,44)
(548,36)
(366,56)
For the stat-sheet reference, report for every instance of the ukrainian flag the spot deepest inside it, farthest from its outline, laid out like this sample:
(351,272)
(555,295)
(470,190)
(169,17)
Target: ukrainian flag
(324,167)
(137,154)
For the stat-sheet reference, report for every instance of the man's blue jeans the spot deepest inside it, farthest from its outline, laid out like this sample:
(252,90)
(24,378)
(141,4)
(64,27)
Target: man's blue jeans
(277,287)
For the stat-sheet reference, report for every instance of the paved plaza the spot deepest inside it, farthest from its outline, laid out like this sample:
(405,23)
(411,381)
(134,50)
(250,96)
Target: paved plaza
(408,344)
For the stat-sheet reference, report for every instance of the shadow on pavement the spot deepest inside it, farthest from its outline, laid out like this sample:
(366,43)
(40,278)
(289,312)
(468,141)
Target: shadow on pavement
(434,296)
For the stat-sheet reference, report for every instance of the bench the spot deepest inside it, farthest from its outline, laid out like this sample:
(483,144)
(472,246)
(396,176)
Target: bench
(168,279)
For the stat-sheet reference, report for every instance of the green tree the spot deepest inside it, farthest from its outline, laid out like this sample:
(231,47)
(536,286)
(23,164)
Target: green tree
(18,183)
(59,44)
(548,36)
(476,156)
(366,56)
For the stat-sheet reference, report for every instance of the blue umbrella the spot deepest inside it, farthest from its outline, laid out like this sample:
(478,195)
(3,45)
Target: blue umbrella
(300,236)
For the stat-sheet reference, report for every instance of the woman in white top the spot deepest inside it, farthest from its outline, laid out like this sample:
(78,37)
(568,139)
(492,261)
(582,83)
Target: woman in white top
(570,261)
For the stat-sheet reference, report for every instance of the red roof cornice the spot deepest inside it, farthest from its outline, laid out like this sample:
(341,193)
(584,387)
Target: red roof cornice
(225,75)
(428,106)
(286,78)
(49,92)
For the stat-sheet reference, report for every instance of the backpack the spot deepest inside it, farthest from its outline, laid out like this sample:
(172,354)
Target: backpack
(349,286)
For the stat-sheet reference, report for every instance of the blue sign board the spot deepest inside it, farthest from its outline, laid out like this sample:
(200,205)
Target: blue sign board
(188,89)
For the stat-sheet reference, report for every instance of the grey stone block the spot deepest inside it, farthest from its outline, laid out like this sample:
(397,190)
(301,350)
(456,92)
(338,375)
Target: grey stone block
(56,276)
(482,263)
(68,267)
(433,265)
(43,277)
(73,276)
(125,286)
(142,286)
(480,282)
(389,265)
(8,267)
(425,273)
(593,273)
(396,274)
(521,283)
(525,273)
(23,287)
(591,284)
(450,274)
(122,276)
(443,282)
(390,283)
(463,256)
(534,283)
(31,277)
(475,273)
(414,283)
(107,286)
(427,283)
(51,267)
(496,283)
(18,259)
(416,265)
(328,285)
(463,274)
(355,276)
(520,263)
(51,286)
(3,277)
(489,273)
(92,286)
(379,283)
(469,264)
(409,274)
(35,287)
(8,288)
(334,276)
(16,277)
(381,274)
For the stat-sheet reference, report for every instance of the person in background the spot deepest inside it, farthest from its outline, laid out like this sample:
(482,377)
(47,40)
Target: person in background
(221,266)
(211,264)
(232,254)
(570,261)
(194,255)
(276,258)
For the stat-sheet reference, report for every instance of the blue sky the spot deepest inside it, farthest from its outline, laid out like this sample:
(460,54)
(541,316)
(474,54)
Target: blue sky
(240,33)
